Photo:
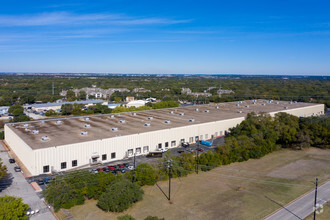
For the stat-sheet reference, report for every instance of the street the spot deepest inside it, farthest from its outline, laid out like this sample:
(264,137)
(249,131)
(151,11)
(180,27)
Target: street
(304,206)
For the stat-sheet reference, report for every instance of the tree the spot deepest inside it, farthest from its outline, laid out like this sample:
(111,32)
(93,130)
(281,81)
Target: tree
(153,218)
(125,217)
(12,208)
(82,95)
(20,118)
(16,109)
(145,174)
(70,95)
(3,170)
(67,109)
(120,195)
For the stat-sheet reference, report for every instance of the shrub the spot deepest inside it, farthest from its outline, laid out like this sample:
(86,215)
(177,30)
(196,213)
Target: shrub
(125,217)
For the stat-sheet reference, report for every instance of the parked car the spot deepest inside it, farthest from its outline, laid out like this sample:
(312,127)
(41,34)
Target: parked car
(40,182)
(163,149)
(130,167)
(123,171)
(111,168)
(185,144)
(200,149)
(106,169)
(47,179)
(189,150)
(17,169)
(94,171)
(180,151)
(126,164)
(11,160)
(121,165)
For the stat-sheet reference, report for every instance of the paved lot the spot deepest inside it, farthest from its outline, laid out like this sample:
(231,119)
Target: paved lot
(303,207)
(16,185)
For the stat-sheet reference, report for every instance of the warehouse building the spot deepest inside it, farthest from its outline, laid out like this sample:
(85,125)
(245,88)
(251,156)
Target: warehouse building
(61,144)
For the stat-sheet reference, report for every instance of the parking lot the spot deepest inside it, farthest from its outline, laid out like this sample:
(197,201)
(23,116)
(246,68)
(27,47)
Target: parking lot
(16,185)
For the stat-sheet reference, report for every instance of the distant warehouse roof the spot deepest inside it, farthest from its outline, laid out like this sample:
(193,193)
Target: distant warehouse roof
(70,130)
(52,104)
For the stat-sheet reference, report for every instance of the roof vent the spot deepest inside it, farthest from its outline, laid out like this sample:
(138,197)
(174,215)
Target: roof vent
(35,132)
(167,122)
(246,106)
(112,116)
(277,103)
(290,102)
(207,111)
(147,124)
(87,125)
(122,121)
(263,104)
(217,107)
(58,122)
(26,129)
(181,113)
(196,109)
(239,112)
(171,112)
(45,138)
(191,120)
(294,101)
(84,133)
(286,107)
(86,119)
(237,104)
(114,129)
(134,114)
(26,125)
(240,102)
(254,103)
(150,118)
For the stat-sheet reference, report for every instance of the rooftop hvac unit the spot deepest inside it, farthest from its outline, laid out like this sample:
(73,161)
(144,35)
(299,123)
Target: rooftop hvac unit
(58,122)
(112,116)
(147,124)
(84,133)
(294,101)
(114,129)
(122,121)
(217,107)
(87,125)
(254,103)
(237,104)
(286,107)
(35,132)
(191,120)
(181,113)
(207,111)
(167,122)
(246,106)
(277,103)
(196,109)
(26,129)
(86,119)
(290,102)
(45,138)
(263,104)
(150,118)
(171,112)
(240,102)
(26,125)
(134,114)
(239,112)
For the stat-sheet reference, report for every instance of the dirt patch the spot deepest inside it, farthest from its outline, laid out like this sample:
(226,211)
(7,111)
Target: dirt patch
(299,169)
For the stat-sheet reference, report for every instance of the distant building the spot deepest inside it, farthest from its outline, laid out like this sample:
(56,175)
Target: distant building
(136,103)
(189,92)
(130,98)
(57,105)
(96,92)
(4,110)
(141,90)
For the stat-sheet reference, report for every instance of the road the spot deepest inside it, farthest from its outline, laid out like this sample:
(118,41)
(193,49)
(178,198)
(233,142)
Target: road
(16,185)
(303,207)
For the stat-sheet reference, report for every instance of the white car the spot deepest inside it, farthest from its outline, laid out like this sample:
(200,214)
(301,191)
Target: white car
(163,150)
(130,167)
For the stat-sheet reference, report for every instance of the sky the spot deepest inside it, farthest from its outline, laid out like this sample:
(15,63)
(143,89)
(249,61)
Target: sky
(165,37)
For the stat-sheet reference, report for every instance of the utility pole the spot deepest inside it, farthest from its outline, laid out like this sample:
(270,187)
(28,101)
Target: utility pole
(134,169)
(316,180)
(197,160)
(169,166)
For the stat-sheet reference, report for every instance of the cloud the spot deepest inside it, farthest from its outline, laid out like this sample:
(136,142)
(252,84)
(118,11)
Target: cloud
(65,18)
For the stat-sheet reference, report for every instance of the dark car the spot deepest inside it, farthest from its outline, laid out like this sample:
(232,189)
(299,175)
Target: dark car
(11,160)
(126,164)
(200,149)
(47,179)
(185,144)
(106,169)
(40,182)
(17,169)
(123,170)
(121,165)
(180,151)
